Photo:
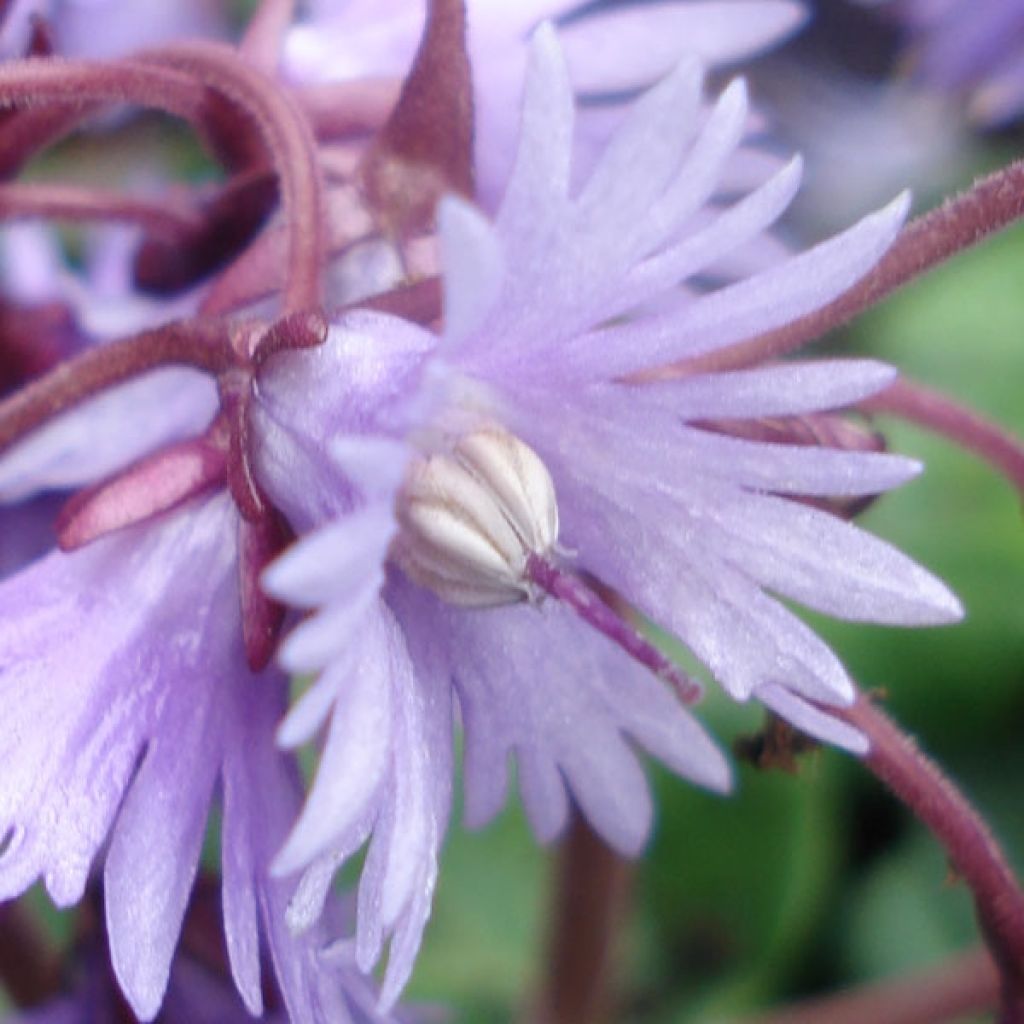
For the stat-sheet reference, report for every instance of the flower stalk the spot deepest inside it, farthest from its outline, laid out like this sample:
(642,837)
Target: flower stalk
(973,850)
(942,415)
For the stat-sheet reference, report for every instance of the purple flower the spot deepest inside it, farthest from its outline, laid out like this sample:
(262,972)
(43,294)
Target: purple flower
(970,48)
(532,448)
(126,24)
(129,704)
(610,50)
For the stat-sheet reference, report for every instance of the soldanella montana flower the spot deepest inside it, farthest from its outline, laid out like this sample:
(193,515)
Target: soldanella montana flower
(474,506)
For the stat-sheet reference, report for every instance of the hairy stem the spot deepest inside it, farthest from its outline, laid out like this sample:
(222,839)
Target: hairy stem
(990,205)
(942,415)
(964,985)
(973,851)
(289,140)
(77,83)
(201,344)
(591,889)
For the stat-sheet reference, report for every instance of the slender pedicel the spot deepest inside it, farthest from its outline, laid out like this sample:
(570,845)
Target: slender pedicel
(289,140)
(940,414)
(974,852)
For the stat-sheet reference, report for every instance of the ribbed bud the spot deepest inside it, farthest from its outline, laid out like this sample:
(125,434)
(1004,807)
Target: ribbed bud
(471,519)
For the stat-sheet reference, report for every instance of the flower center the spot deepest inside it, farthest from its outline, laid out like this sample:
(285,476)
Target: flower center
(471,518)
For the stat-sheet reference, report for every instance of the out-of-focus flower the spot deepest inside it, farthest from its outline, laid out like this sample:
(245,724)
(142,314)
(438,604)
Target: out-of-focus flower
(611,50)
(971,49)
(126,24)
(129,703)
(540,413)
(862,141)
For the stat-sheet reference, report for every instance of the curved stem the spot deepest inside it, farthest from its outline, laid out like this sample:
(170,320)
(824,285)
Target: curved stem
(591,889)
(76,83)
(942,415)
(990,205)
(963,985)
(201,344)
(973,851)
(70,202)
(290,141)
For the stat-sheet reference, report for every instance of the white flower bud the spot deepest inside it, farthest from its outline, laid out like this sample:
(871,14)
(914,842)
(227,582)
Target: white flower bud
(471,519)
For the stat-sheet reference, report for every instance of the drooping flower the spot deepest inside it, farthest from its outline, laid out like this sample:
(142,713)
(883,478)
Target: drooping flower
(126,25)
(537,446)
(129,704)
(969,49)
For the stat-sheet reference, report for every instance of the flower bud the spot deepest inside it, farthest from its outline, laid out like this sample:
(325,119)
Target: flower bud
(471,518)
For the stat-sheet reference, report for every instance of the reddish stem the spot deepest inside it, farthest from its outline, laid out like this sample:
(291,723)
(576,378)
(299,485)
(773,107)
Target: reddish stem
(964,985)
(990,205)
(419,302)
(28,966)
(590,896)
(168,219)
(942,415)
(201,344)
(570,589)
(973,851)
(228,221)
(77,83)
(290,142)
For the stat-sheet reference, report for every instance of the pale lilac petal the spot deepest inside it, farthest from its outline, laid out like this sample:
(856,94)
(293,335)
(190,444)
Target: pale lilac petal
(325,635)
(660,125)
(830,565)
(788,389)
(474,266)
(306,575)
(356,754)
(530,683)
(726,233)
(741,310)
(155,853)
(539,185)
(627,47)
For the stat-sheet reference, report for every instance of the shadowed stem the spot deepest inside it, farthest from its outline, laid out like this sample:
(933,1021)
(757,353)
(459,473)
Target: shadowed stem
(72,202)
(963,985)
(942,415)
(289,140)
(990,205)
(591,890)
(28,966)
(973,851)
